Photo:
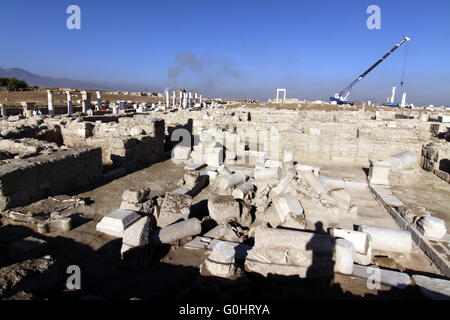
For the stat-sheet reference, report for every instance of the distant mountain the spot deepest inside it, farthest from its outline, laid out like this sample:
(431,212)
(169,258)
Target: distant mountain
(37,80)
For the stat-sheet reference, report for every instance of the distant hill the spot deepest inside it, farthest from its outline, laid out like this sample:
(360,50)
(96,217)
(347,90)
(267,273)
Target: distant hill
(37,80)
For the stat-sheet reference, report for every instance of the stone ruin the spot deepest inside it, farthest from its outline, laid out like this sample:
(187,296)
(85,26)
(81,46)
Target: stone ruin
(269,209)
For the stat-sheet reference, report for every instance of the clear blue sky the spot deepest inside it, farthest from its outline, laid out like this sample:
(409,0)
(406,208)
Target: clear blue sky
(244,48)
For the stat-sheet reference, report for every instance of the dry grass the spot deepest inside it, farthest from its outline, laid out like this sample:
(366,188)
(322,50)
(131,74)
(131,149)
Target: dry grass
(40,97)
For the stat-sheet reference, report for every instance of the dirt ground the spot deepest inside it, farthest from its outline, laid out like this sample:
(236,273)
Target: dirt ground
(432,193)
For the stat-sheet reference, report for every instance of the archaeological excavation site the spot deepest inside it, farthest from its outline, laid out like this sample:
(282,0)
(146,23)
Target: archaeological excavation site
(189,198)
(224,159)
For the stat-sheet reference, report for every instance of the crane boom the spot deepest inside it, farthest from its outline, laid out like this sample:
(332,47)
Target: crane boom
(342,96)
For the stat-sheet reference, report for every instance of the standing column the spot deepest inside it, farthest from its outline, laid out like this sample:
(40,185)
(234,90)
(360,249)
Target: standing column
(51,111)
(174,95)
(85,101)
(184,100)
(190,100)
(393,94)
(167,99)
(69,103)
(2,107)
(181,99)
(99,100)
(403,104)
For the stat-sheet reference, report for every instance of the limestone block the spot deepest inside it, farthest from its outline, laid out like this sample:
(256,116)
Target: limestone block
(137,235)
(214,157)
(53,225)
(181,152)
(343,256)
(190,178)
(434,288)
(262,173)
(145,207)
(115,223)
(257,157)
(194,166)
(378,173)
(444,119)
(287,204)
(288,156)
(174,207)
(387,277)
(314,182)
(221,261)
(231,180)
(273,163)
(223,208)
(176,231)
(432,227)
(136,196)
(283,185)
(359,239)
(318,243)
(386,239)
(242,190)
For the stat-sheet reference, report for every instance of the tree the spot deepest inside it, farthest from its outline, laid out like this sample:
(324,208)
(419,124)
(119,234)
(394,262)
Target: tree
(14,84)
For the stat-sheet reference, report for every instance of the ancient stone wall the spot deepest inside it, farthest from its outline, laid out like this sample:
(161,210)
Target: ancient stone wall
(436,158)
(23,181)
(318,136)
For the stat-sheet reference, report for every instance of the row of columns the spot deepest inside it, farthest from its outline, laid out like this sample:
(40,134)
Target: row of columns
(185,99)
(85,102)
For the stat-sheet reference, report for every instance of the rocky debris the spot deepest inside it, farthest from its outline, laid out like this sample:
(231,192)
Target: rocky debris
(228,231)
(287,204)
(30,275)
(243,191)
(306,254)
(190,178)
(136,195)
(231,180)
(225,208)
(262,198)
(27,248)
(380,171)
(137,200)
(220,262)
(115,223)
(174,207)
(432,227)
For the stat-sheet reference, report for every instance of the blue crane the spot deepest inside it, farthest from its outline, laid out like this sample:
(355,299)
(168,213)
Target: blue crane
(341,97)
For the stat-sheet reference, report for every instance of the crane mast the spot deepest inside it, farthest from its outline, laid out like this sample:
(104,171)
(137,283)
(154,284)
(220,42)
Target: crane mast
(341,97)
